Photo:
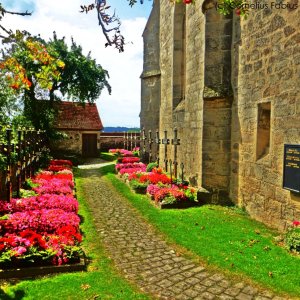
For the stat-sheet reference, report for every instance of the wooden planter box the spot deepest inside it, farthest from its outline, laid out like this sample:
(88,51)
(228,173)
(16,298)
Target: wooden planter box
(140,190)
(29,272)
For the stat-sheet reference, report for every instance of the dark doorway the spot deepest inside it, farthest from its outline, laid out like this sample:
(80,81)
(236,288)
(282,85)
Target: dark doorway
(89,145)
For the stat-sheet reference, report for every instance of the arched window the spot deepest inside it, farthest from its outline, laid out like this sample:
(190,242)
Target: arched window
(179,54)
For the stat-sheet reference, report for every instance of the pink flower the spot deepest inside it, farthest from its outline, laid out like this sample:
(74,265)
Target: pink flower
(296,223)
(130,160)
(20,250)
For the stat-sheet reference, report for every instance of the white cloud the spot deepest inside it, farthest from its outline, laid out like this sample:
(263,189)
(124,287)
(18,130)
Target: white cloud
(123,106)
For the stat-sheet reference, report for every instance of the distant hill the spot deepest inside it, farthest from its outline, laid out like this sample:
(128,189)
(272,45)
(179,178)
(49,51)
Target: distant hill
(121,129)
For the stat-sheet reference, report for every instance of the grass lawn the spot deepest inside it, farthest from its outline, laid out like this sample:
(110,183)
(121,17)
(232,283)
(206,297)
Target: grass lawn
(100,282)
(108,156)
(225,238)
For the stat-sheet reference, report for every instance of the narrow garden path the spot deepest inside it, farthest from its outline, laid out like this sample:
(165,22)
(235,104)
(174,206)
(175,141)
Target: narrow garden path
(145,258)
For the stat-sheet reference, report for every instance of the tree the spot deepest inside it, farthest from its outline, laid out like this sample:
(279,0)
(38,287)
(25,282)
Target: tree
(8,102)
(39,70)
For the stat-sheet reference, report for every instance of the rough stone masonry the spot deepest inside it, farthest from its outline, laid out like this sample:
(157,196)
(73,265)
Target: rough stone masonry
(231,86)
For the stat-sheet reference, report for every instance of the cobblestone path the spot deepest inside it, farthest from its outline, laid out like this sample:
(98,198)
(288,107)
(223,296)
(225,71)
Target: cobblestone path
(146,259)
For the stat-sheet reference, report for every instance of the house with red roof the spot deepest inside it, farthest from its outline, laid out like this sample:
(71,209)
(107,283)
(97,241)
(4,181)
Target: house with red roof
(81,125)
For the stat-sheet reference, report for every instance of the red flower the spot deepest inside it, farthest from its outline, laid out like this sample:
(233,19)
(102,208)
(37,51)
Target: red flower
(296,223)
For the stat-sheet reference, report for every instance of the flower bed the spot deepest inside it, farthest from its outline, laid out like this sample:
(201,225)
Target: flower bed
(158,185)
(44,229)
(292,237)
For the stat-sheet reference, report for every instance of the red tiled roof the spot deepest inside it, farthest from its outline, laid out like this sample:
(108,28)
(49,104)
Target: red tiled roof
(75,116)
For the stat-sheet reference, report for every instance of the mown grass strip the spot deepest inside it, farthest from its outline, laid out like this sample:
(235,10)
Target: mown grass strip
(223,237)
(108,156)
(101,281)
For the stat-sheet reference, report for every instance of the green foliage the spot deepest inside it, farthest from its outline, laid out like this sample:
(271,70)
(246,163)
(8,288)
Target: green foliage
(82,79)
(138,186)
(292,239)
(45,157)
(79,78)
(179,181)
(27,193)
(191,193)
(8,101)
(8,257)
(29,184)
(226,7)
(151,166)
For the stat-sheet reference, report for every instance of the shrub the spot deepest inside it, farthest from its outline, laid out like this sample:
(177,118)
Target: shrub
(132,170)
(130,160)
(152,189)
(191,193)
(54,186)
(46,201)
(130,165)
(155,178)
(292,238)
(138,186)
(27,193)
(27,246)
(170,195)
(41,221)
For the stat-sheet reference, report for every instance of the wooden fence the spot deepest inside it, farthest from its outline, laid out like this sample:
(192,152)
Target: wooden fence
(20,158)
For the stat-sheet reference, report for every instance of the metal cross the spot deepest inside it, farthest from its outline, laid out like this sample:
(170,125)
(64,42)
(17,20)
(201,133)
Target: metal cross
(150,142)
(157,141)
(175,142)
(144,138)
(165,141)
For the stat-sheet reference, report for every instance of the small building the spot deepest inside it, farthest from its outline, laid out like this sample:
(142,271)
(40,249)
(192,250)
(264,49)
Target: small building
(82,125)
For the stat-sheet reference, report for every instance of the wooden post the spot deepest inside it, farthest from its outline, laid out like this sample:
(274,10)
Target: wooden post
(8,166)
(131,140)
(19,163)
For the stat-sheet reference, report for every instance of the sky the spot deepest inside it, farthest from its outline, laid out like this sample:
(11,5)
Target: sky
(122,107)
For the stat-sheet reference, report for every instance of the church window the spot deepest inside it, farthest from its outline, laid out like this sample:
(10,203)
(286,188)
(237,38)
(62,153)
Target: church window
(179,55)
(263,130)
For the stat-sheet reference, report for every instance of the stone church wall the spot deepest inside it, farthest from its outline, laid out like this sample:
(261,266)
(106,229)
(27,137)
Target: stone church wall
(266,81)
(232,126)
(150,91)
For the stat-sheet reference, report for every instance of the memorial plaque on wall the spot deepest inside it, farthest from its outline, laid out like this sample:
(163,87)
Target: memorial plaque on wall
(291,168)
